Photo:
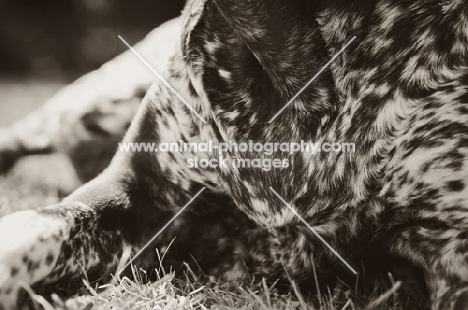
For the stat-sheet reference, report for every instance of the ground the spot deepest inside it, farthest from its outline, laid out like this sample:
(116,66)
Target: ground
(38,181)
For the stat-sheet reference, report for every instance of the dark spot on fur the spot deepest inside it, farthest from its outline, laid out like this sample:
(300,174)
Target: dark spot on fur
(462,110)
(14,271)
(403,179)
(25,259)
(432,193)
(33,265)
(419,186)
(49,259)
(456,160)
(455,186)
(429,115)
(172,156)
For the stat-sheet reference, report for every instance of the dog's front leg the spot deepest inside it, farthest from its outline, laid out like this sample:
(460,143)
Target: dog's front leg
(124,206)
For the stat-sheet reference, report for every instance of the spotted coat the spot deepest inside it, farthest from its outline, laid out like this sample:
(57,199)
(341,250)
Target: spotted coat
(399,92)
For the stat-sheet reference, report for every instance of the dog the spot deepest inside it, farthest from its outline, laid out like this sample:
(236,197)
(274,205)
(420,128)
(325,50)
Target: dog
(399,91)
(86,119)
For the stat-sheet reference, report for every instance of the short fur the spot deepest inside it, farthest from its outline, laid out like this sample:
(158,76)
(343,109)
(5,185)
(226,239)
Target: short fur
(400,92)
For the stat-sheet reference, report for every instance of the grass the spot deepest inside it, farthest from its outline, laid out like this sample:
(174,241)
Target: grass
(190,292)
(38,181)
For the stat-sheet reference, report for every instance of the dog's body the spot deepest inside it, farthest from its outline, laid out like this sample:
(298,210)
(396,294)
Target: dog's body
(400,92)
(87,118)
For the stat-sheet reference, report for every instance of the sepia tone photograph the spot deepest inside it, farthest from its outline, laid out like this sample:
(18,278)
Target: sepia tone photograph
(234,154)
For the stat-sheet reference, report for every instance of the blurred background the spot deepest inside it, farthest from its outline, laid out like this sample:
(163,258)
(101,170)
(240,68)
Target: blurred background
(45,44)
(65,38)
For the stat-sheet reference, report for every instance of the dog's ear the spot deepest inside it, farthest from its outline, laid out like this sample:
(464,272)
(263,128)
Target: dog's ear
(283,35)
(263,54)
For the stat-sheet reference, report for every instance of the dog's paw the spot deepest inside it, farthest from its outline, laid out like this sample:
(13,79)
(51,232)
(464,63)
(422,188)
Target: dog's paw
(30,244)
